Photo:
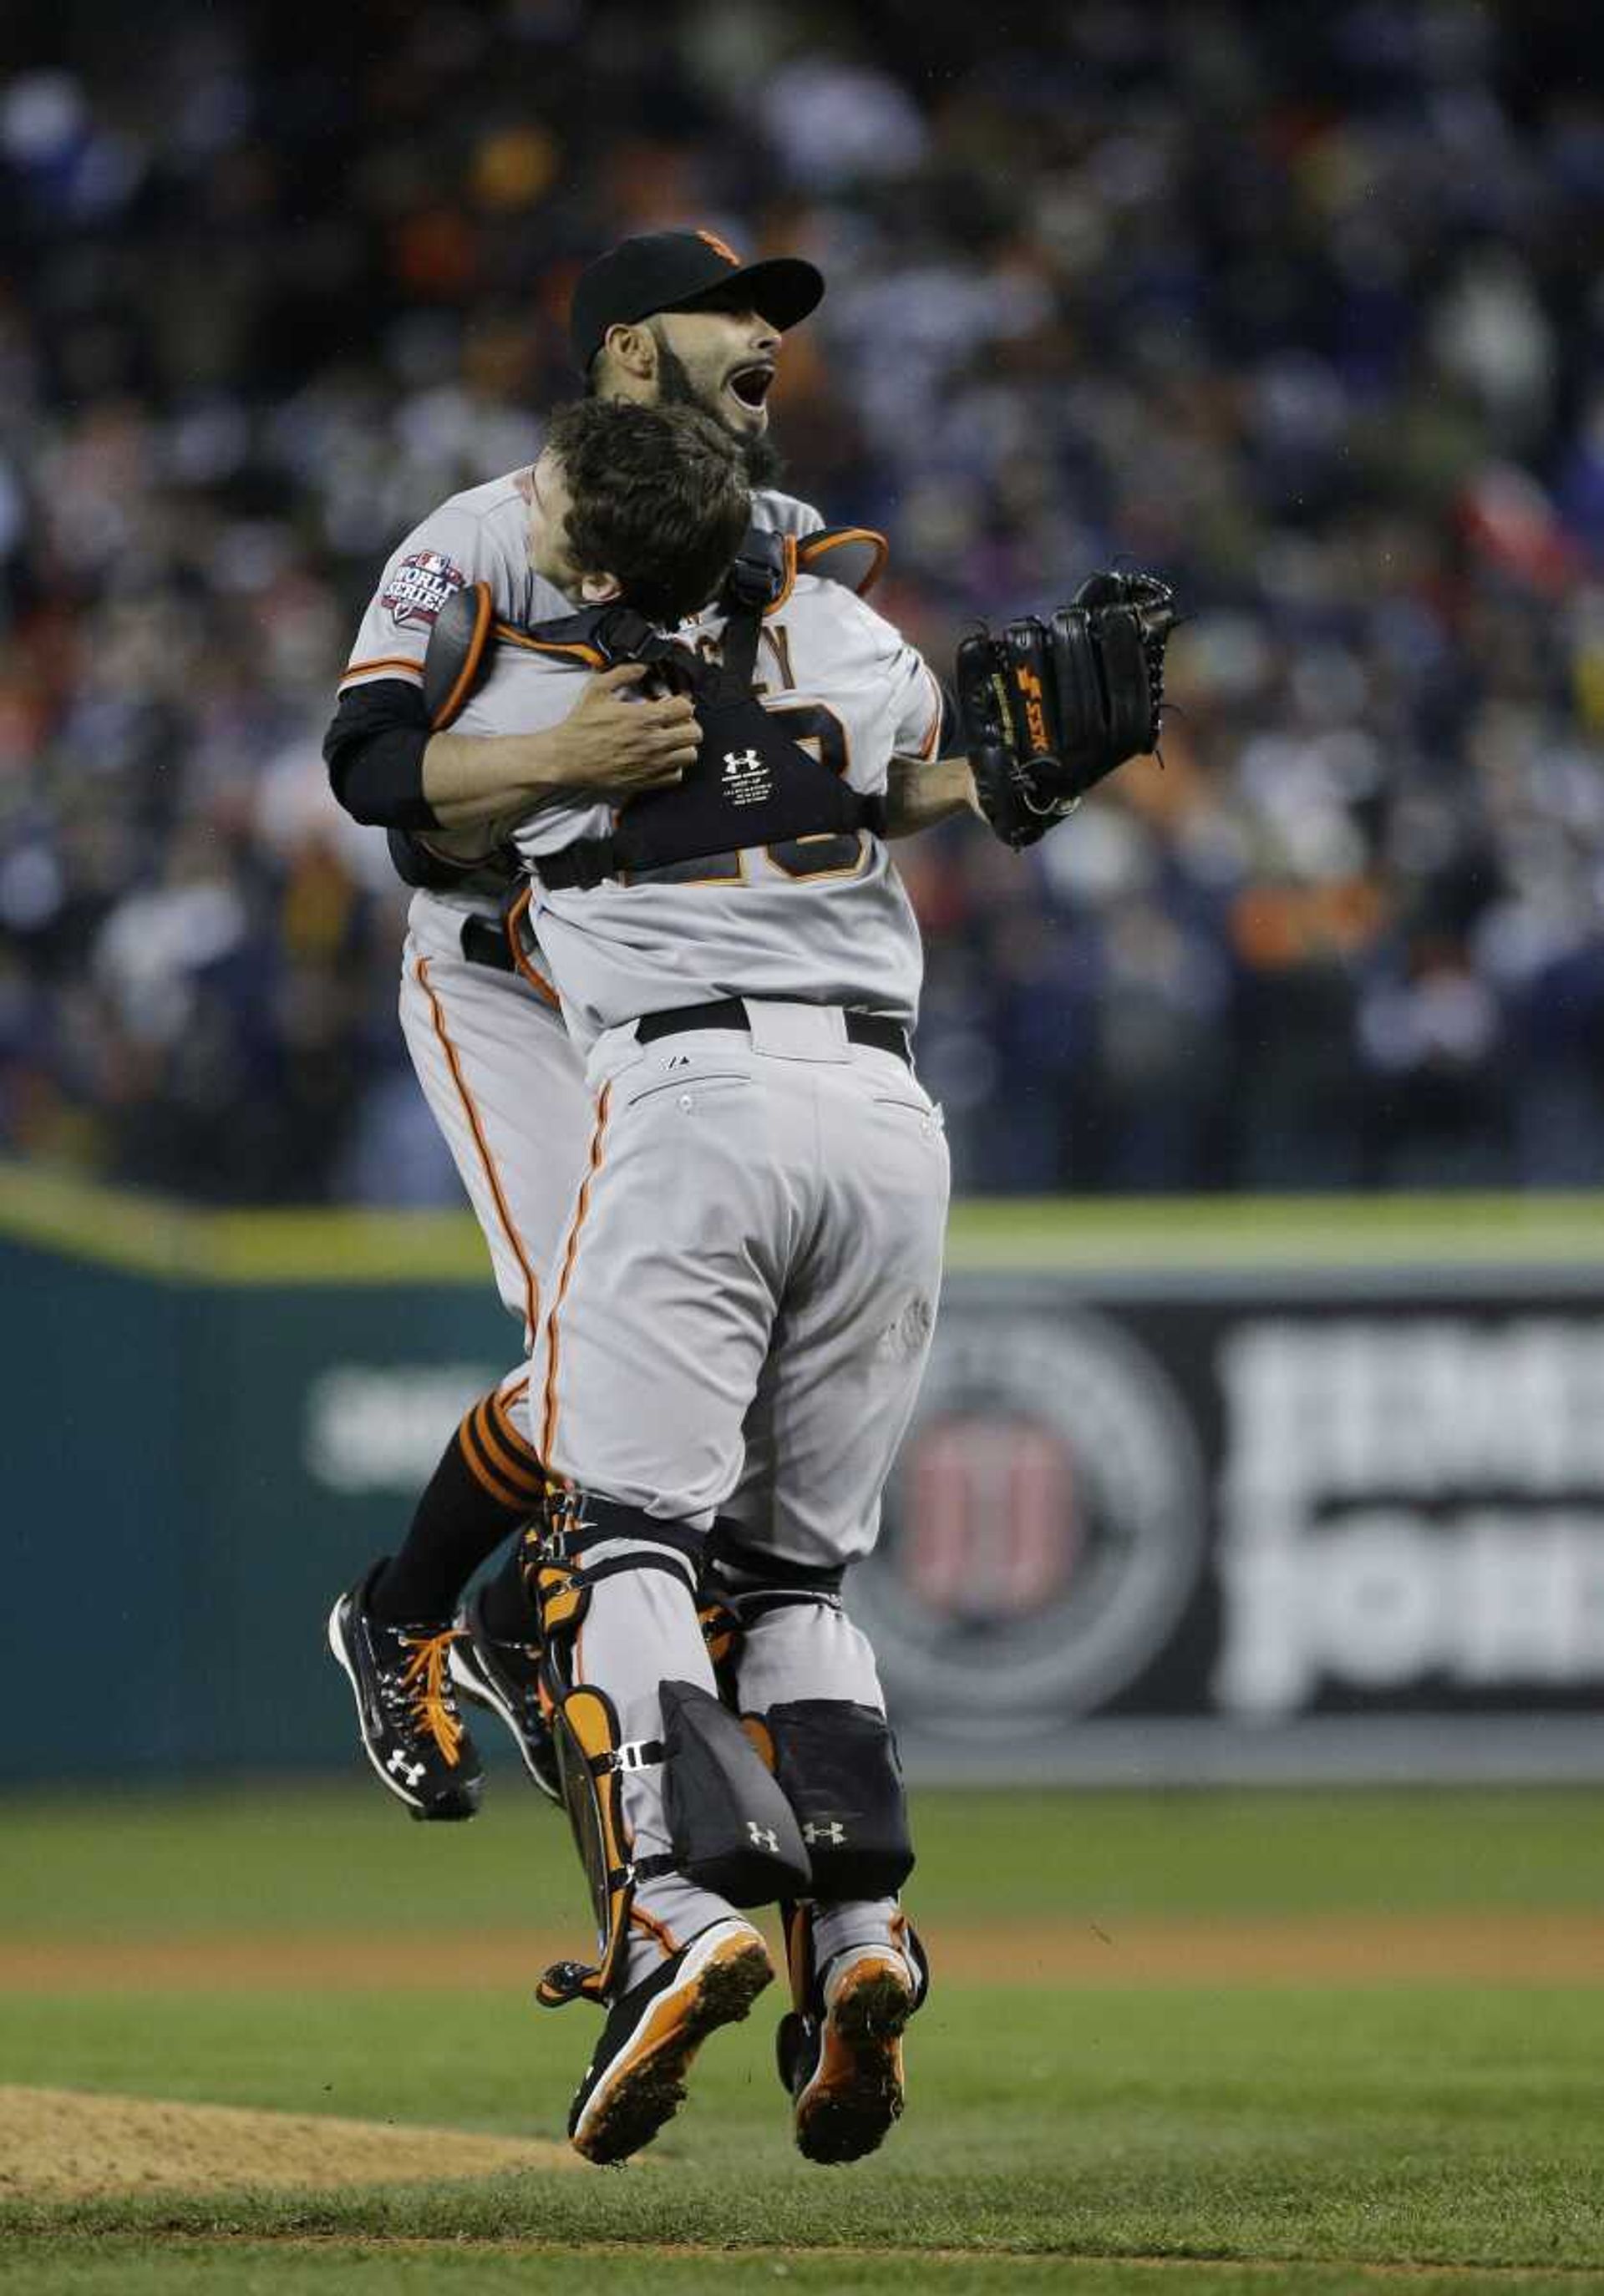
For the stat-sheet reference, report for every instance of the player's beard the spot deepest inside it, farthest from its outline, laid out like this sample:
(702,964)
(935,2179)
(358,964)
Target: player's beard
(760,455)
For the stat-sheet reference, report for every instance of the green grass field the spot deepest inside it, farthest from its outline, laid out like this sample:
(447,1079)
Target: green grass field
(1147,2120)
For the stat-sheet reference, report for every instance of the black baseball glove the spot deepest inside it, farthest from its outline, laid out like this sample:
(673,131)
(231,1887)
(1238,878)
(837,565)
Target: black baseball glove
(1049,709)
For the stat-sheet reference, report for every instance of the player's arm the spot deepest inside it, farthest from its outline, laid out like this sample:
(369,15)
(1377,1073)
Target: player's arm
(611,743)
(389,770)
(928,780)
(921,791)
(374,746)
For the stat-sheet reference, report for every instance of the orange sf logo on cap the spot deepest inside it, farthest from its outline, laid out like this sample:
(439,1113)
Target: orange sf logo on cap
(719,247)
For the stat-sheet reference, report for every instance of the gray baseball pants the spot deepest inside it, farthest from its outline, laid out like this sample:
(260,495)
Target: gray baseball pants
(736,1325)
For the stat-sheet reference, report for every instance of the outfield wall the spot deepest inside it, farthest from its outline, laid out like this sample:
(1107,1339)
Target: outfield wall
(1249,1488)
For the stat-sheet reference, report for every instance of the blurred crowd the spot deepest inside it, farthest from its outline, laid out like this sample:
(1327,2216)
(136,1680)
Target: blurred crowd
(1303,309)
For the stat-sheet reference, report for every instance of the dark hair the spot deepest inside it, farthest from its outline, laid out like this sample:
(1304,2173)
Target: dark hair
(659,500)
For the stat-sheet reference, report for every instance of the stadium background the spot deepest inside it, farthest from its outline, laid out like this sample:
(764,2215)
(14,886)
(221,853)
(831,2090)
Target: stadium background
(1264,1441)
(1301,305)
(1299,309)
(1303,309)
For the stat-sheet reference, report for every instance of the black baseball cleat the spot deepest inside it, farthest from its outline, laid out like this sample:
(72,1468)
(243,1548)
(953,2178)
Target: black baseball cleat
(506,1676)
(842,2059)
(635,2081)
(407,1711)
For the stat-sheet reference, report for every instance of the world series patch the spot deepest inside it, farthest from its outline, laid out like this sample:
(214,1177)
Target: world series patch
(419,587)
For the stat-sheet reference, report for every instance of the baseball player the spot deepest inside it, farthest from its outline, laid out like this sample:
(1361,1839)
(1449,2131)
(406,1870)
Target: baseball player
(671,316)
(737,1320)
(740,1311)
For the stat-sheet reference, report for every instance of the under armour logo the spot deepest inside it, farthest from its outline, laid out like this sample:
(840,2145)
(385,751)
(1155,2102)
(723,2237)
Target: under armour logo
(834,1833)
(740,761)
(763,1837)
(411,1772)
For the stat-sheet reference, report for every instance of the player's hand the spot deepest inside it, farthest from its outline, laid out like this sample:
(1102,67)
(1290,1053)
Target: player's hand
(616,741)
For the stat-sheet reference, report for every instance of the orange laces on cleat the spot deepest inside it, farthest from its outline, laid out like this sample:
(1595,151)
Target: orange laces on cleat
(433,1701)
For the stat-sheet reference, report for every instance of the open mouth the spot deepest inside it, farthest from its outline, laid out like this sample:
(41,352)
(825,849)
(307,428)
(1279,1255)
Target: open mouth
(750,386)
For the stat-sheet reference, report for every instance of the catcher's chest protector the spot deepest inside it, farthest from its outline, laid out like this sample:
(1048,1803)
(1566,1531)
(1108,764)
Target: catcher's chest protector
(751,784)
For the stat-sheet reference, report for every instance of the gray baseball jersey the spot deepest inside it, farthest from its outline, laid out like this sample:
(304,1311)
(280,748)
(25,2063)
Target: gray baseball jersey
(502,1079)
(838,676)
(482,536)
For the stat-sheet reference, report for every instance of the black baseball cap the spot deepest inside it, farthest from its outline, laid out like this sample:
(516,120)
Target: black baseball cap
(674,271)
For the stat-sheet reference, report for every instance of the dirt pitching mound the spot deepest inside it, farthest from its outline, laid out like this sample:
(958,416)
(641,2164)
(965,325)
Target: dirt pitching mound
(61,2144)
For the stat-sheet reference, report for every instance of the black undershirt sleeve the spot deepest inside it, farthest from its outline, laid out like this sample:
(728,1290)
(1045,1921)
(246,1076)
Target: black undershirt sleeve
(375,749)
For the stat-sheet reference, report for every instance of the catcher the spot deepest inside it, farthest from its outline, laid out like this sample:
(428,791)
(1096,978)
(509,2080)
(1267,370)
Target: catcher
(746,1294)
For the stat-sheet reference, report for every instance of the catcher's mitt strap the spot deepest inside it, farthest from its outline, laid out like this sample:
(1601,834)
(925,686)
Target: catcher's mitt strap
(985,714)
(854,555)
(453,662)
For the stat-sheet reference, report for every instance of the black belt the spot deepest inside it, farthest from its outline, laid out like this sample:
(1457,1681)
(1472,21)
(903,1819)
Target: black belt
(484,941)
(730,1012)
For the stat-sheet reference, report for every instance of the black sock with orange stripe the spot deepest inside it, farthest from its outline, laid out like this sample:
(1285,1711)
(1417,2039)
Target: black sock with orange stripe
(486,1483)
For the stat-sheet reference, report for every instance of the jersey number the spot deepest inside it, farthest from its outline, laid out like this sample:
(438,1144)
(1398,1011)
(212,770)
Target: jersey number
(813,727)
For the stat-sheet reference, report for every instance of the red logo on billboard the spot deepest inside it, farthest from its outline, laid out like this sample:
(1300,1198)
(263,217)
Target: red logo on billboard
(1043,1526)
(993,1527)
